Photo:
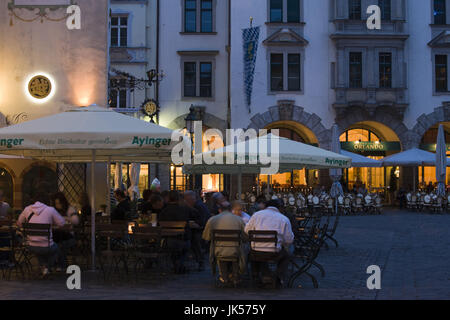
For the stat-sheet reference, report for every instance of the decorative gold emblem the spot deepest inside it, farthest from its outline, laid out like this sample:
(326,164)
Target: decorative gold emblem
(150,108)
(40,87)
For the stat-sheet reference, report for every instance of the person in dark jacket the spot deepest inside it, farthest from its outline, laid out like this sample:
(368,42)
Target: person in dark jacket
(201,215)
(174,211)
(146,206)
(122,208)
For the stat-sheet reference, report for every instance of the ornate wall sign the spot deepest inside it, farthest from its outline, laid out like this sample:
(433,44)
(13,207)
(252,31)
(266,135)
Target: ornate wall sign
(40,9)
(150,108)
(40,87)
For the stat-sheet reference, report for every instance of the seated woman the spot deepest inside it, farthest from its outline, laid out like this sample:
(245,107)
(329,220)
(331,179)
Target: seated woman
(42,246)
(65,239)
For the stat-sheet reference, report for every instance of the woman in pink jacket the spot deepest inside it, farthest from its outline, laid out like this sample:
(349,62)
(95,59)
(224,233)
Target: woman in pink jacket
(39,212)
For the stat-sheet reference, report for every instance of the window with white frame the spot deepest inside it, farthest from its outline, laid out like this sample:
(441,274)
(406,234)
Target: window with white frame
(439,12)
(441,73)
(198,16)
(118,95)
(285,71)
(385,6)
(119,31)
(197,78)
(285,11)
(354,9)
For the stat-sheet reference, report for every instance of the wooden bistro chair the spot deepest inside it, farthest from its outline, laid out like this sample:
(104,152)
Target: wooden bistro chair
(146,247)
(6,247)
(25,256)
(228,238)
(111,258)
(257,236)
(172,232)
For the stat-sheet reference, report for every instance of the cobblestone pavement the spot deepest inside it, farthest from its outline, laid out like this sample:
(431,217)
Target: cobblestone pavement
(412,250)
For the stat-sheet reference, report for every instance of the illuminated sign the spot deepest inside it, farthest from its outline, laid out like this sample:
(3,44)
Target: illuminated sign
(368,147)
(432,147)
(40,87)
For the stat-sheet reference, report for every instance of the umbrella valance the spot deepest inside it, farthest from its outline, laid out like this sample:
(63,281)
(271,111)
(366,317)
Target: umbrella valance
(73,135)
(411,158)
(292,156)
(359,161)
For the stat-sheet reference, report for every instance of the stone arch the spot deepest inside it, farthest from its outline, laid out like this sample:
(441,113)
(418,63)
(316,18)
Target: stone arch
(37,164)
(43,179)
(9,170)
(209,120)
(287,111)
(426,121)
(382,115)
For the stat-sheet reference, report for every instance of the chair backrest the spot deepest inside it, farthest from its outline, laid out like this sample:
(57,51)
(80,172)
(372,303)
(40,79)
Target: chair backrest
(6,223)
(315,200)
(147,233)
(260,236)
(232,237)
(341,200)
(330,202)
(173,225)
(37,230)
(347,201)
(112,230)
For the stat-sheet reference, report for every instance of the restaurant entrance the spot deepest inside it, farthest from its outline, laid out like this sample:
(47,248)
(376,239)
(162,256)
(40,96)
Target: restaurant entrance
(368,140)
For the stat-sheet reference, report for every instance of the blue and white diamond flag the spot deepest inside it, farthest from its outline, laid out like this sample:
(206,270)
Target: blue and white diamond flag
(250,39)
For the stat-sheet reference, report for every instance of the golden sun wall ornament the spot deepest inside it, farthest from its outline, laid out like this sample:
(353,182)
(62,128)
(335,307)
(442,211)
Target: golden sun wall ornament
(40,87)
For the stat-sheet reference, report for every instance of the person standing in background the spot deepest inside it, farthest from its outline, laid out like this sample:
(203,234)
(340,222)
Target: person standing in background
(4,206)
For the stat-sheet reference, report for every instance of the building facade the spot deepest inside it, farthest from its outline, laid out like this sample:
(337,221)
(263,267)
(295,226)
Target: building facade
(319,64)
(40,55)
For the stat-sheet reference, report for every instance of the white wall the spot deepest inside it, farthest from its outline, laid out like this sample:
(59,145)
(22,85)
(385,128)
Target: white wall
(171,41)
(76,60)
(316,85)
(420,64)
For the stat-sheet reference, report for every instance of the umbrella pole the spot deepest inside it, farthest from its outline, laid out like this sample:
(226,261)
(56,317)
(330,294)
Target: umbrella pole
(414,181)
(240,184)
(108,183)
(93,209)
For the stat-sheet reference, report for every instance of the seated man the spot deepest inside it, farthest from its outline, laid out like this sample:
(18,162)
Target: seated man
(179,247)
(270,219)
(225,220)
(123,206)
(40,213)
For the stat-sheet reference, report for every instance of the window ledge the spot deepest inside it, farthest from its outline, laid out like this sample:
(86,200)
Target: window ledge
(282,24)
(198,33)
(441,93)
(286,92)
(197,98)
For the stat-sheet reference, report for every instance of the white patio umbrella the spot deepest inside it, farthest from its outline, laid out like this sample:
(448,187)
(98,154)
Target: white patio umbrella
(359,161)
(135,171)
(411,158)
(441,161)
(118,176)
(292,156)
(91,134)
(336,174)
